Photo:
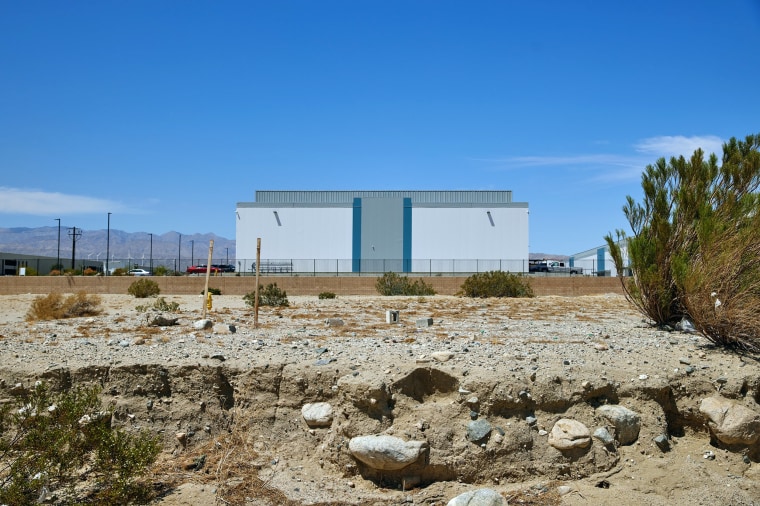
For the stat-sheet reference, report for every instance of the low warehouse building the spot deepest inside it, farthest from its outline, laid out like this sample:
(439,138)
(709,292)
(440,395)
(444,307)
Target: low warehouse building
(383,231)
(598,261)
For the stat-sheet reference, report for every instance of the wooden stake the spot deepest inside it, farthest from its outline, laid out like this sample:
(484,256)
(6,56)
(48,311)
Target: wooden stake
(256,291)
(208,272)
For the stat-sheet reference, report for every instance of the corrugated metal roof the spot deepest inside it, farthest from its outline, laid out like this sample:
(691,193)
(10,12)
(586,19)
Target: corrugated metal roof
(418,197)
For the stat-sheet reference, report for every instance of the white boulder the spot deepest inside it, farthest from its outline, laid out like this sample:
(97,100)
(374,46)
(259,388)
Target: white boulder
(386,453)
(730,422)
(569,434)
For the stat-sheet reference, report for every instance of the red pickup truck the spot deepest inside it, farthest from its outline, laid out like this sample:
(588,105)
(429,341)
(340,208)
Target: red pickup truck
(201,269)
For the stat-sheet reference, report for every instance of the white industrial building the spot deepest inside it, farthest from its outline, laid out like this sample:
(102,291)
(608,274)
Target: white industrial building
(598,261)
(382,231)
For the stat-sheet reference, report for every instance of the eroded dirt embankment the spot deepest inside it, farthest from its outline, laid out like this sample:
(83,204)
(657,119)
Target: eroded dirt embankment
(517,367)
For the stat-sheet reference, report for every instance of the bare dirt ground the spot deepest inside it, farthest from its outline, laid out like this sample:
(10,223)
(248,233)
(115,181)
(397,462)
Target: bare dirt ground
(227,399)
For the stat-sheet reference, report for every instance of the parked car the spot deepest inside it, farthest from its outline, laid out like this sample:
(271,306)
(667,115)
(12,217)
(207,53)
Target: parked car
(225,267)
(139,272)
(201,269)
(553,266)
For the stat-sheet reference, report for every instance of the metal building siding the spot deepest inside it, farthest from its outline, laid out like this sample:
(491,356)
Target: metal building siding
(467,233)
(356,245)
(407,235)
(341,197)
(312,233)
(601,254)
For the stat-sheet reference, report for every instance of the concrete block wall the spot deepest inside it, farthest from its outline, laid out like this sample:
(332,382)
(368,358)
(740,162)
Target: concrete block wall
(293,285)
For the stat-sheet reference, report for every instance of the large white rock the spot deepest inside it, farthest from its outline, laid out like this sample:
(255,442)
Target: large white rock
(386,453)
(442,356)
(627,423)
(730,422)
(480,497)
(203,324)
(317,414)
(569,434)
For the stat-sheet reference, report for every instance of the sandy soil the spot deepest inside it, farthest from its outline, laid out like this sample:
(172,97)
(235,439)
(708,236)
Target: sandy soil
(238,389)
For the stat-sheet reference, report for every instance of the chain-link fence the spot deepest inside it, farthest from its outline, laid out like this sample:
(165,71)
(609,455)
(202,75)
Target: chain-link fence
(285,267)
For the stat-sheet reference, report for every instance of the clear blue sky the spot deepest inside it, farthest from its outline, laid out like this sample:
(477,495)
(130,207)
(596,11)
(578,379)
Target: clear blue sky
(168,113)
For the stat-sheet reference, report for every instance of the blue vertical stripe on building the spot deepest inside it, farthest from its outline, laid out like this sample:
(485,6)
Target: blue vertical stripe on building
(407,245)
(356,260)
(600,260)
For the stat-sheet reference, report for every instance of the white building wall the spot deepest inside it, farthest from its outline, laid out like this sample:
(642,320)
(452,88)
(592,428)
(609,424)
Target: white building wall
(461,238)
(302,233)
(467,233)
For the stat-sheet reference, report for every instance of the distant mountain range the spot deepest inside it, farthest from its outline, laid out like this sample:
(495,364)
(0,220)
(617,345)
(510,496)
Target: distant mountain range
(91,245)
(43,241)
(548,256)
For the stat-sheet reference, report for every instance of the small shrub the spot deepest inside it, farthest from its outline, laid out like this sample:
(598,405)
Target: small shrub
(391,283)
(121,271)
(326,295)
(90,272)
(160,270)
(55,307)
(143,288)
(49,440)
(212,291)
(270,295)
(496,284)
(160,305)
(54,272)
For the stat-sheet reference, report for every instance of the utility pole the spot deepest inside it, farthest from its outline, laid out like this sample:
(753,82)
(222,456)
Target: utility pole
(58,261)
(75,235)
(108,244)
(151,253)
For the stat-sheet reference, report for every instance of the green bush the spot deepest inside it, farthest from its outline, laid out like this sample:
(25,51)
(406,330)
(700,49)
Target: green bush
(143,288)
(270,295)
(212,291)
(391,283)
(695,244)
(496,284)
(326,295)
(50,440)
(160,270)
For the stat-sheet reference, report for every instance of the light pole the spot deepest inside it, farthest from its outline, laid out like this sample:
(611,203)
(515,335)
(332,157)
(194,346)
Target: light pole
(192,252)
(108,243)
(58,261)
(151,253)
(179,254)
(228,255)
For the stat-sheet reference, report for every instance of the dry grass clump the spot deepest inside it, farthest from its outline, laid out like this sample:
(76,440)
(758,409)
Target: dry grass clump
(722,294)
(232,465)
(540,495)
(54,306)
